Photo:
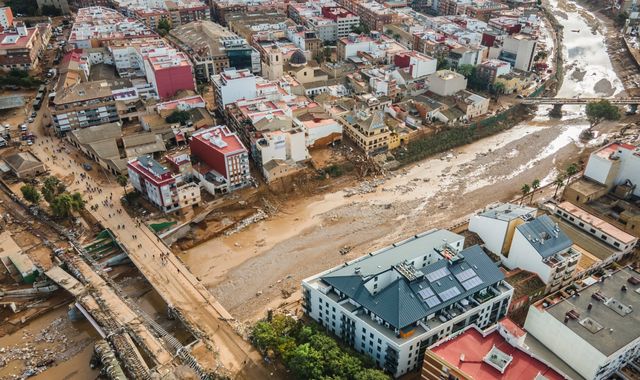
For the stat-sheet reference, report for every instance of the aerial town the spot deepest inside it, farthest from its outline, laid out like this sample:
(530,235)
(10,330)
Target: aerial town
(321,189)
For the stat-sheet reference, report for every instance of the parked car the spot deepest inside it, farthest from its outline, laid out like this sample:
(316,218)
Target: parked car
(86,166)
(34,114)
(31,120)
(23,127)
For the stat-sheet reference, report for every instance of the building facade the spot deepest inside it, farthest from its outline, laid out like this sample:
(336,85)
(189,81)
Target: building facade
(393,303)
(20,49)
(83,105)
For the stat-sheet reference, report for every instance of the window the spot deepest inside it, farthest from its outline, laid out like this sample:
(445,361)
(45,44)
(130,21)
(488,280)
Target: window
(364,330)
(378,348)
(592,231)
(581,224)
(379,341)
(371,335)
(616,244)
(604,237)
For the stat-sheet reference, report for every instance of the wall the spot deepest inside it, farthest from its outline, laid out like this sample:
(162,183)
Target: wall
(563,342)
(491,231)
(598,169)
(523,255)
(173,79)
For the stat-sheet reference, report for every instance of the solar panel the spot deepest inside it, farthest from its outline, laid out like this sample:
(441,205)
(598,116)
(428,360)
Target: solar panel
(465,275)
(426,293)
(432,301)
(437,274)
(449,293)
(472,283)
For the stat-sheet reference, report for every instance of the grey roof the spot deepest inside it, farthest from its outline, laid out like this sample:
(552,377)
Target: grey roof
(508,211)
(97,133)
(149,162)
(618,330)
(12,101)
(23,161)
(401,303)
(143,143)
(409,250)
(543,234)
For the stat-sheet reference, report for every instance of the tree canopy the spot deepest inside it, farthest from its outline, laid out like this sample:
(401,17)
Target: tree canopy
(361,29)
(601,110)
(309,353)
(178,117)
(30,193)
(163,27)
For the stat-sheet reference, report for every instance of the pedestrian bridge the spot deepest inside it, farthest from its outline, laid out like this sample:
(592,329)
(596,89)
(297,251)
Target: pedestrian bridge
(563,101)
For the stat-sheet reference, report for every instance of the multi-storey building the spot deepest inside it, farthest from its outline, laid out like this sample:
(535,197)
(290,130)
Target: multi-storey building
(213,49)
(615,165)
(541,247)
(232,85)
(519,50)
(596,331)
(368,130)
(83,105)
(20,49)
(393,303)
(345,21)
(498,352)
(374,15)
(168,71)
(446,82)
(167,191)
(491,69)
(222,161)
(93,26)
(6,17)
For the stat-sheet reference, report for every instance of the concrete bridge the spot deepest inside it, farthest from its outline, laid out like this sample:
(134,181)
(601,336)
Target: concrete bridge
(563,101)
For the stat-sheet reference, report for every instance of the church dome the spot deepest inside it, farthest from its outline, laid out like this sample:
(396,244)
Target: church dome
(298,58)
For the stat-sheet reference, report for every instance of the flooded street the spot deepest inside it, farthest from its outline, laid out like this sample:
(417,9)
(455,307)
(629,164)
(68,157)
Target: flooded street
(262,265)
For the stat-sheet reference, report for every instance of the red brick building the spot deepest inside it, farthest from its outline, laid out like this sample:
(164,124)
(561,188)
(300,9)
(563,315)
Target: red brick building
(169,71)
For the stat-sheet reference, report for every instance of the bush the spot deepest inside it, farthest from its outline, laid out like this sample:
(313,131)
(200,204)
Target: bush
(310,353)
(178,117)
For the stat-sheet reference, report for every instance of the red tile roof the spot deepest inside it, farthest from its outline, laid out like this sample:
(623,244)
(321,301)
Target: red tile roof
(474,346)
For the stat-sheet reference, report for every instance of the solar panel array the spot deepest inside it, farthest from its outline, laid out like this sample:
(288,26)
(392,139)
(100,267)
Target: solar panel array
(426,293)
(465,275)
(472,283)
(432,301)
(449,293)
(437,274)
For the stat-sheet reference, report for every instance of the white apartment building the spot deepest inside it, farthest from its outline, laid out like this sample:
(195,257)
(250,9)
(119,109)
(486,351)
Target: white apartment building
(597,331)
(393,303)
(233,85)
(496,226)
(472,104)
(519,50)
(541,247)
(326,29)
(614,165)
(446,82)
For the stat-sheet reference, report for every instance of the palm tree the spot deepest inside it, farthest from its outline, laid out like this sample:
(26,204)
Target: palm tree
(534,185)
(571,171)
(559,181)
(122,181)
(525,189)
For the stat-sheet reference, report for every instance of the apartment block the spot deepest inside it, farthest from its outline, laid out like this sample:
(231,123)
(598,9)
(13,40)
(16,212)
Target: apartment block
(20,48)
(394,303)
(446,82)
(596,331)
(232,85)
(168,71)
(222,161)
(615,165)
(166,190)
(94,26)
(83,105)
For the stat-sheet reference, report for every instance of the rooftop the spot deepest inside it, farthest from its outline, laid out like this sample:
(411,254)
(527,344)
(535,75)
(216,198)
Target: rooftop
(597,222)
(608,150)
(83,91)
(221,139)
(509,211)
(613,321)
(12,40)
(545,236)
(206,38)
(471,352)
(410,291)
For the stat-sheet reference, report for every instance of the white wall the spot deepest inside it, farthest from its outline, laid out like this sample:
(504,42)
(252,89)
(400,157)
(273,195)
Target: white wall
(492,231)
(563,342)
(629,169)
(523,255)
(598,168)
(319,132)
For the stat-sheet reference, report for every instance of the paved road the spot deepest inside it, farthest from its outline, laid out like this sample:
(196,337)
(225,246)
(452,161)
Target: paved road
(169,276)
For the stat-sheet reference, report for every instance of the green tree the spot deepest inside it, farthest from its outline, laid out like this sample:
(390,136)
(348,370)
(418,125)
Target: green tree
(122,181)
(443,64)
(541,55)
(163,27)
(361,29)
(525,189)
(621,19)
(572,170)
(264,335)
(30,193)
(371,374)
(62,205)
(178,117)
(498,88)
(78,202)
(306,362)
(601,110)
(466,70)
(52,187)
(535,185)
(559,181)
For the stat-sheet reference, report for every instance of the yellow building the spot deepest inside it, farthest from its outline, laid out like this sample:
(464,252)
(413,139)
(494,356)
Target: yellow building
(368,130)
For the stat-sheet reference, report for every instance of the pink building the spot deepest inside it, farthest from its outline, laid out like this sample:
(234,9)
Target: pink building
(169,71)
(223,162)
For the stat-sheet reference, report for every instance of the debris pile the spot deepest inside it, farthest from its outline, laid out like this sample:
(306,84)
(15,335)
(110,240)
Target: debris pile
(364,188)
(246,222)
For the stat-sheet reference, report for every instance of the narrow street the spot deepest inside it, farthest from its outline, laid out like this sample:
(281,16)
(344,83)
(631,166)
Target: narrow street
(168,275)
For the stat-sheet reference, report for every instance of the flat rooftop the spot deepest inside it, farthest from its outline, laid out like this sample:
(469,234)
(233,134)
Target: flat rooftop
(610,324)
(508,211)
(594,246)
(597,222)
